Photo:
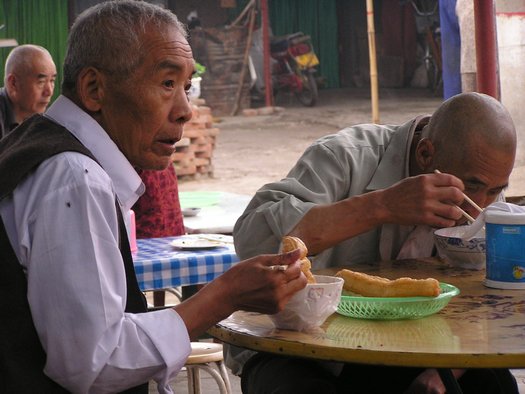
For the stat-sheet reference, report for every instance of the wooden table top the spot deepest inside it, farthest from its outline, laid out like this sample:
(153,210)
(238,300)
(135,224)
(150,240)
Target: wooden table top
(481,327)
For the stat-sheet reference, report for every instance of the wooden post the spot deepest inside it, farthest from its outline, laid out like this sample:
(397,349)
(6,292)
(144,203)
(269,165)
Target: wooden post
(486,48)
(238,95)
(265,21)
(373,62)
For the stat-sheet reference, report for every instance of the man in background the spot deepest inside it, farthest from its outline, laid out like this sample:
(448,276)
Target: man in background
(450,47)
(29,83)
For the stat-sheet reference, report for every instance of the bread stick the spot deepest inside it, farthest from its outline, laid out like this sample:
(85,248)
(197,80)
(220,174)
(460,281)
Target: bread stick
(288,244)
(375,286)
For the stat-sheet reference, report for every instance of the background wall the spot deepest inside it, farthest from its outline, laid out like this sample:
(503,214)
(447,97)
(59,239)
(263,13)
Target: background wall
(510,20)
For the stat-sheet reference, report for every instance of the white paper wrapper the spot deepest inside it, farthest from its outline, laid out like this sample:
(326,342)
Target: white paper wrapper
(310,307)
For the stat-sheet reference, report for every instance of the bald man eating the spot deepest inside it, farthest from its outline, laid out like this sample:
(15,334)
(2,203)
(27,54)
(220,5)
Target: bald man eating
(370,193)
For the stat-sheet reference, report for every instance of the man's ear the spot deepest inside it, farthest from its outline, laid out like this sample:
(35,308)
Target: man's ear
(12,85)
(90,88)
(425,154)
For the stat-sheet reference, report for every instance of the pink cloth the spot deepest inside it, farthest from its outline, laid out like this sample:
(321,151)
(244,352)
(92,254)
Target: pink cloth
(132,232)
(157,212)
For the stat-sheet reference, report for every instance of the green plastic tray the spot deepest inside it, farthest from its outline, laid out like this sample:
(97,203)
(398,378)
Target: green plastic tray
(395,308)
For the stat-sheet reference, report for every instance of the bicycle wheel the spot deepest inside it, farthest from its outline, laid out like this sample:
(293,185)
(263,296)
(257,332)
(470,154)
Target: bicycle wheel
(308,94)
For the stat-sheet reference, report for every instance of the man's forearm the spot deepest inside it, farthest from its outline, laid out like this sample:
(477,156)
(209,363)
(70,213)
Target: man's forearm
(325,226)
(204,309)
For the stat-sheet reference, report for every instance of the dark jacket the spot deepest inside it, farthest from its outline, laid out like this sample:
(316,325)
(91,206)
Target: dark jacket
(22,357)
(7,116)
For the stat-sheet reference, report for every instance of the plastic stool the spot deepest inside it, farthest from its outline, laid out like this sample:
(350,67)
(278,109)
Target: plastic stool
(203,354)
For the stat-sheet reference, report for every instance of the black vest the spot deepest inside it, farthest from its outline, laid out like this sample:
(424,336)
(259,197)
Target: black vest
(22,358)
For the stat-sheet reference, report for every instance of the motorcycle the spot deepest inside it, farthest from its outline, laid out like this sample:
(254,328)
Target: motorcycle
(293,67)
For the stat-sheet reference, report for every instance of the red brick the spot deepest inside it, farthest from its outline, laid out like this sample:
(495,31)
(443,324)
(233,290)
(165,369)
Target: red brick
(249,112)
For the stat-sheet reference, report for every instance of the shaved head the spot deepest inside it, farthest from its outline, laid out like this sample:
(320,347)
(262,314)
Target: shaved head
(467,119)
(471,136)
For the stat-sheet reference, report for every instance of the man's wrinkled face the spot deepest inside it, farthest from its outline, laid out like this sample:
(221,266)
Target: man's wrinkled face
(31,89)
(485,172)
(145,114)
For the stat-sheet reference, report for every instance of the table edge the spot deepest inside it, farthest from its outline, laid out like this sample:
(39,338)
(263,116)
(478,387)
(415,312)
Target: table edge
(364,356)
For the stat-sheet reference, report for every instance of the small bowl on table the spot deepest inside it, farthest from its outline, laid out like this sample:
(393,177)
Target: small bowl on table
(189,212)
(459,252)
(311,306)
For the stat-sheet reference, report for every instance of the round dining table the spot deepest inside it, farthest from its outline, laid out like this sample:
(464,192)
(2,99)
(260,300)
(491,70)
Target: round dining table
(481,327)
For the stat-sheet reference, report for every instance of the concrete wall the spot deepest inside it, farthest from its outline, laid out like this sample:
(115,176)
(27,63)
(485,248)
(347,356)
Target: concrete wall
(510,19)
(511,47)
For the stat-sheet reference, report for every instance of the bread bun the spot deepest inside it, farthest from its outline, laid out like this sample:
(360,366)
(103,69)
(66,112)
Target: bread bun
(288,244)
(376,286)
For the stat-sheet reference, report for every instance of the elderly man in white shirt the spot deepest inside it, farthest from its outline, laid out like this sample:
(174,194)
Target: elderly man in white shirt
(124,103)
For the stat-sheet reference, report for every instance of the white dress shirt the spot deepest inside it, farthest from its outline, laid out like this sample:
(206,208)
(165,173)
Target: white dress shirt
(62,223)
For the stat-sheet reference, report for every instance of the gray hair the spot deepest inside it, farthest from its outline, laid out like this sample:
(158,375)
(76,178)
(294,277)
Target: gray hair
(20,59)
(108,36)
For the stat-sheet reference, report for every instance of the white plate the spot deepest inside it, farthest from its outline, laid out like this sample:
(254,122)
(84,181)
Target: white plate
(187,212)
(202,241)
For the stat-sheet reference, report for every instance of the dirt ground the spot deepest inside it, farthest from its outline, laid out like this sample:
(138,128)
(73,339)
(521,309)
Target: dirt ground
(252,151)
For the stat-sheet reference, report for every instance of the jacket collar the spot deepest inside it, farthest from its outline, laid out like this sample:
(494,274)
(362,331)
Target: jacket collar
(394,165)
(128,184)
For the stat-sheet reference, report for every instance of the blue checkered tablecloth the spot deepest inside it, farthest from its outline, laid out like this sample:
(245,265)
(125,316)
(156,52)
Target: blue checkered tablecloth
(158,265)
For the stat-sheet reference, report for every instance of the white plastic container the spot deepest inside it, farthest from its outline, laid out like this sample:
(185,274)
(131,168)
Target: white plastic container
(132,231)
(505,237)
(195,89)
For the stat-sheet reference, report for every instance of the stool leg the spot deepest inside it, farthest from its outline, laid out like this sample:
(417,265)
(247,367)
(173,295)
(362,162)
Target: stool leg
(189,374)
(159,298)
(215,375)
(194,381)
(224,373)
(189,371)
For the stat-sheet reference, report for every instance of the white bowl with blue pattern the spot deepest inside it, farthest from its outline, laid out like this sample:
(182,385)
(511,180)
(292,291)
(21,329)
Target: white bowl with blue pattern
(459,252)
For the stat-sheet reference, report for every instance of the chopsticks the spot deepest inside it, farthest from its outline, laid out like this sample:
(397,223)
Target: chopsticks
(470,201)
(470,218)
(478,208)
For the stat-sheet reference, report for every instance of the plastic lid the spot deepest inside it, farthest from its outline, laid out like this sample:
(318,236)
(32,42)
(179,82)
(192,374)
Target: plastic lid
(504,217)
(504,285)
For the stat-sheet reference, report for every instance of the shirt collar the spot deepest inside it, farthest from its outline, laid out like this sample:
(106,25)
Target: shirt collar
(127,183)
(394,165)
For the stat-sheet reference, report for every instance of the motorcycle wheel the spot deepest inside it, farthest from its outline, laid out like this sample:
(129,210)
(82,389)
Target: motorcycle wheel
(309,94)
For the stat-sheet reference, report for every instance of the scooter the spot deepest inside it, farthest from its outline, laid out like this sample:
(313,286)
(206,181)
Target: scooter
(293,66)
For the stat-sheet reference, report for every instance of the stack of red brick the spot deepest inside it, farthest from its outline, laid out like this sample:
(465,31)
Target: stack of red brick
(193,153)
